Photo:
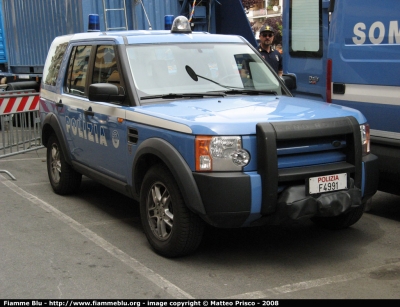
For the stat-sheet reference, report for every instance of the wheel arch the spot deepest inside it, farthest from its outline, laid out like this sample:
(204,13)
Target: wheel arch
(153,151)
(51,125)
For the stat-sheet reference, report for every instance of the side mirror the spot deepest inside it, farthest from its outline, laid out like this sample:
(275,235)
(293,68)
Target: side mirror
(290,81)
(105,92)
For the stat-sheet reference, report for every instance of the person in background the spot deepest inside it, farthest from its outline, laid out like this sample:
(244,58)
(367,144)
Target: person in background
(272,56)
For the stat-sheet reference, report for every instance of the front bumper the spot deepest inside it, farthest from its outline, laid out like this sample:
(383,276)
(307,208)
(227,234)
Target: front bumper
(230,199)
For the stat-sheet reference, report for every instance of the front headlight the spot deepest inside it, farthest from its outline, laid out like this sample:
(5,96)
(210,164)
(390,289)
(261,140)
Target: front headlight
(365,139)
(220,153)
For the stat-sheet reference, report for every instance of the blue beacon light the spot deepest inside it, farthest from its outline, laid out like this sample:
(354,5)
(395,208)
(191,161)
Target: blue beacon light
(168,20)
(94,23)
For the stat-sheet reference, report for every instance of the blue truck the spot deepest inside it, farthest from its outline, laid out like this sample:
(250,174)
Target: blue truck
(199,130)
(27,28)
(347,52)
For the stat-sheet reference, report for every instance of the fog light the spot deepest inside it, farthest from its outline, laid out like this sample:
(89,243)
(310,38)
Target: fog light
(240,157)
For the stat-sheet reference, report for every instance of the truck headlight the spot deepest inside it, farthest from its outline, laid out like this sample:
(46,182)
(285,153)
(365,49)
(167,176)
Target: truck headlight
(365,139)
(220,153)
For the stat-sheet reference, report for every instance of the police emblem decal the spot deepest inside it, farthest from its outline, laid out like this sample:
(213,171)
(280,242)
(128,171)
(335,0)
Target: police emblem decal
(115,138)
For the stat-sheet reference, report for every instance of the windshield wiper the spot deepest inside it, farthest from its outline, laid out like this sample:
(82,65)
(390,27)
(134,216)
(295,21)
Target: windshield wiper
(195,77)
(184,95)
(231,90)
(249,92)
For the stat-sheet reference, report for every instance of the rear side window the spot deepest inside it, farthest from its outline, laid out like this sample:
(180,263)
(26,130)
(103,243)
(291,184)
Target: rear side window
(53,62)
(78,70)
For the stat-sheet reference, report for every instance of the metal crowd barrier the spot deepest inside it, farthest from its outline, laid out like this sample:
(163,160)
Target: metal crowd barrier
(20,129)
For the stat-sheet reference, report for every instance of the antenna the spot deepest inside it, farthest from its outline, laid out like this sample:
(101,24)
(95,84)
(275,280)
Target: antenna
(150,28)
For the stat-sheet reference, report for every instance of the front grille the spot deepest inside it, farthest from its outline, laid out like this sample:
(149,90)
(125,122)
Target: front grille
(291,152)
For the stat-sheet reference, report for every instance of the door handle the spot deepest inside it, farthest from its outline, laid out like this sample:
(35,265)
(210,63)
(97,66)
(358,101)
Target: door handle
(89,112)
(59,103)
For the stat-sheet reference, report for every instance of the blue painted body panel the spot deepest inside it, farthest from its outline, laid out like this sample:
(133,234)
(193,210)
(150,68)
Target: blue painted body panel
(383,117)
(371,60)
(238,115)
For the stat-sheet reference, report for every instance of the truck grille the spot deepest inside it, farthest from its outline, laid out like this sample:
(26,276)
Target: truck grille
(291,152)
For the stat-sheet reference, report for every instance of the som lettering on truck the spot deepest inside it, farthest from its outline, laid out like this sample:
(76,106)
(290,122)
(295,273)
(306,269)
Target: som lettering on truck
(349,60)
(165,118)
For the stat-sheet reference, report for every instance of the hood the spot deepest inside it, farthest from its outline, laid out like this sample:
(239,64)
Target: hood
(240,114)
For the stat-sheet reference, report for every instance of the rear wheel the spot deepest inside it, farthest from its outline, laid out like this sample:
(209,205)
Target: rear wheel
(341,221)
(63,178)
(170,227)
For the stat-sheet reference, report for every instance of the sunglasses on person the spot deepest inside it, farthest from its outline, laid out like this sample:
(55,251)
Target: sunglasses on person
(267,34)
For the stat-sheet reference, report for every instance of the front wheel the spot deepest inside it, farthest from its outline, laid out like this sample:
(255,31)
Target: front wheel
(170,227)
(341,221)
(63,178)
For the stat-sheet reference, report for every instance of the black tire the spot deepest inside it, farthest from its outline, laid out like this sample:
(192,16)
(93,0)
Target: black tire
(170,227)
(341,221)
(63,178)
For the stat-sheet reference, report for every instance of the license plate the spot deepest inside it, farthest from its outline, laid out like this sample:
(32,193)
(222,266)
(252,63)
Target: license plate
(328,183)
(23,76)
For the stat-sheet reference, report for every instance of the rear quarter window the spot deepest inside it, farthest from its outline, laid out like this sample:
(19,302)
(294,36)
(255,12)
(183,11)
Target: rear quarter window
(54,59)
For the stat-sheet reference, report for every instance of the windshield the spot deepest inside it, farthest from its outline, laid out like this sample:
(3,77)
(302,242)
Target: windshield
(164,69)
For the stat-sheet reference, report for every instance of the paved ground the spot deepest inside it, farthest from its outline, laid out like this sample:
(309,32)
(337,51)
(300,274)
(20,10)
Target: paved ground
(91,245)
